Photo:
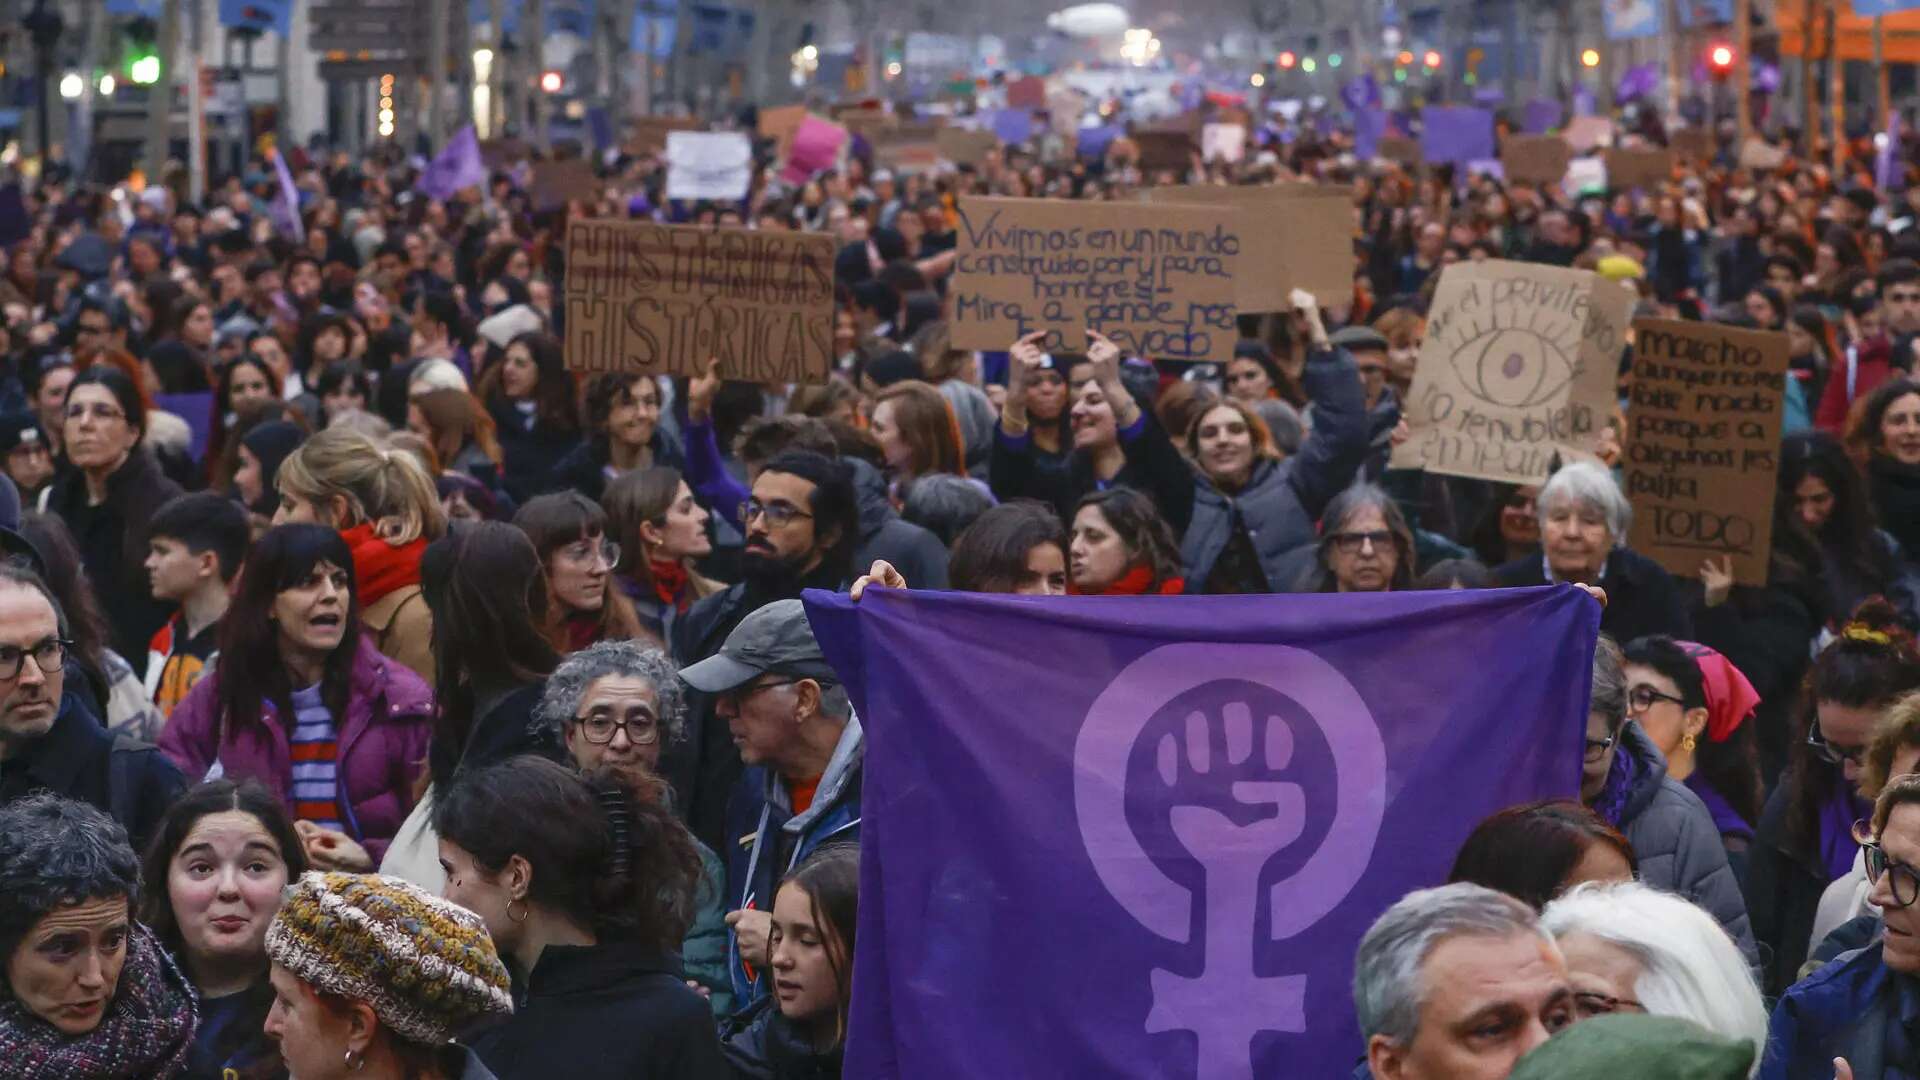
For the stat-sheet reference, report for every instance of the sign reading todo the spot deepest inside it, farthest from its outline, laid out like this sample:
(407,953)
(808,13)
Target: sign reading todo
(1160,283)
(1516,371)
(1702,445)
(660,299)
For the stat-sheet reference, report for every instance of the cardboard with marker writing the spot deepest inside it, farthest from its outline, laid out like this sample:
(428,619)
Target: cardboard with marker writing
(1640,167)
(1516,372)
(1702,444)
(1297,236)
(1535,159)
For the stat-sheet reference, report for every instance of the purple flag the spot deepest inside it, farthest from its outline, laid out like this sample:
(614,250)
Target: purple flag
(1456,134)
(1368,126)
(1012,126)
(1638,82)
(1540,117)
(458,167)
(1143,836)
(286,205)
(197,410)
(1886,163)
(1361,93)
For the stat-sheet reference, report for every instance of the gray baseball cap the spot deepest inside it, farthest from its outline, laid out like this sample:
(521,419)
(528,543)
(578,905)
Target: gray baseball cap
(774,639)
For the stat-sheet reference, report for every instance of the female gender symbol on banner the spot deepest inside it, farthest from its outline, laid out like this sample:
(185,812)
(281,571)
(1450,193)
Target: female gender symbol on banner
(1231,855)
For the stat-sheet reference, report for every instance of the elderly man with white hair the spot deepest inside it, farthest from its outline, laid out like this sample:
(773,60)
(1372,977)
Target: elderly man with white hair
(1458,983)
(1584,519)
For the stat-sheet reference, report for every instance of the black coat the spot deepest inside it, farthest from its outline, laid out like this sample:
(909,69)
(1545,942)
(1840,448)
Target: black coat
(584,468)
(1766,632)
(112,538)
(1153,468)
(762,1044)
(79,759)
(1642,598)
(531,451)
(1783,889)
(1896,501)
(617,1011)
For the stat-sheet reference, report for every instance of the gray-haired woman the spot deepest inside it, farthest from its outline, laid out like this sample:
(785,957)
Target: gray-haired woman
(614,705)
(1584,519)
(89,992)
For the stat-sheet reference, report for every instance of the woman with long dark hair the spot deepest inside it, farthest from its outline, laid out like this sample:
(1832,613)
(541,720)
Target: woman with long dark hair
(1805,838)
(1122,547)
(1858,560)
(222,857)
(1018,547)
(533,400)
(242,386)
(183,347)
(623,434)
(800,1031)
(569,531)
(1365,545)
(301,701)
(588,893)
(1890,432)
(661,530)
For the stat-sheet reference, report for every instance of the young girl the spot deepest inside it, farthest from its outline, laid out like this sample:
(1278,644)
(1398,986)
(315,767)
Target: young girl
(801,1030)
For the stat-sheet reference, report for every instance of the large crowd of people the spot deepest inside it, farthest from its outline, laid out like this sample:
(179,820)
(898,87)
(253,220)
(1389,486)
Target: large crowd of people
(380,697)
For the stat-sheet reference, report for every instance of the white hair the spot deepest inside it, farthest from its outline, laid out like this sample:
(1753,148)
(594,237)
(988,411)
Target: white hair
(1588,483)
(434,375)
(1388,985)
(1689,967)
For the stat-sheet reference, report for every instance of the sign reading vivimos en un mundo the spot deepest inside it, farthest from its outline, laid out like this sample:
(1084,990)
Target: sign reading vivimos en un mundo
(662,299)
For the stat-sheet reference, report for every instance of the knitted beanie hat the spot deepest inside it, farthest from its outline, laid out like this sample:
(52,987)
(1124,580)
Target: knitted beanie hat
(426,966)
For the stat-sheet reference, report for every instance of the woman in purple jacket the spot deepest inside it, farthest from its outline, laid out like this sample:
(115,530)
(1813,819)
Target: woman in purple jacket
(301,701)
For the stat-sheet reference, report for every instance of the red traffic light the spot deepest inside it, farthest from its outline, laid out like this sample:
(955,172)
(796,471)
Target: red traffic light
(1432,59)
(1287,59)
(1720,57)
(552,81)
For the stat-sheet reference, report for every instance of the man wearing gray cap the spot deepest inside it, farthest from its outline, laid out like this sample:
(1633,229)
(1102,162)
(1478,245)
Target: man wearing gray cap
(795,730)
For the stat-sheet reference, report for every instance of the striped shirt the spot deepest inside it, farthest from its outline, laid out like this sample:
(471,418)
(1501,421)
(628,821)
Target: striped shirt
(315,750)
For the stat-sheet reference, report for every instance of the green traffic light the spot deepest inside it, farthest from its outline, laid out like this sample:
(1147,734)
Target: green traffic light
(145,70)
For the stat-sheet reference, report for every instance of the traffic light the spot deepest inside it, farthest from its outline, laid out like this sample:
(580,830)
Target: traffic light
(552,81)
(1431,60)
(1590,58)
(142,55)
(1720,58)
(1287,60)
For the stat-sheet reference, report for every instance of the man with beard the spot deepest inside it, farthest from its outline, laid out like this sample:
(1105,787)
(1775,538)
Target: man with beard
(801,524)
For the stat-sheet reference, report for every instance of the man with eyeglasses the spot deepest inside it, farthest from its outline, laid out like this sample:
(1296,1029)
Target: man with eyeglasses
(794,728)
(50,740)
(801,523)
(99,325)
(1864,1007)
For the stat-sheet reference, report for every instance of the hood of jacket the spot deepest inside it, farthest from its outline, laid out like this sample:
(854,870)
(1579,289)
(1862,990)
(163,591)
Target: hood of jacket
(1650,769)
(842,768)
(870,488)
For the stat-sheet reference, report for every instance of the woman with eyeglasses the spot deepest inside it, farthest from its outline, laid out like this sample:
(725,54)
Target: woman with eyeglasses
(1631,948)
(1806,835)
(108,496)
(1696,706)
(1365,545)
(1893,753)
(569,531)
(1624,779)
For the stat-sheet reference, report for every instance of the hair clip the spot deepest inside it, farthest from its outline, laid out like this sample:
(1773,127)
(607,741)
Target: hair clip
(613,802)
(1857,631)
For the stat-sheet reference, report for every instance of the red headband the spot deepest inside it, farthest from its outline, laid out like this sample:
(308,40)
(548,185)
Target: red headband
(1730,697)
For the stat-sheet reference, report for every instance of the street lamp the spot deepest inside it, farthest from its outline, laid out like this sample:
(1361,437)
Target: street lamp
(106,85)
(72,86)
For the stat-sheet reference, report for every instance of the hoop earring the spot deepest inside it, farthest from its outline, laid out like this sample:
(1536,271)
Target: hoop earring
(355,1061)
(522,917)
(1687,743)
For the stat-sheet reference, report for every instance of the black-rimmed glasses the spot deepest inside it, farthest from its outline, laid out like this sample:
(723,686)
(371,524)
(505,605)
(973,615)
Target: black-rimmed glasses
(1904,883)
(49,655)
(598,728)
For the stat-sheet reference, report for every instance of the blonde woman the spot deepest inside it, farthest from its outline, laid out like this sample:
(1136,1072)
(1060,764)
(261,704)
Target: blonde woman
(386,508)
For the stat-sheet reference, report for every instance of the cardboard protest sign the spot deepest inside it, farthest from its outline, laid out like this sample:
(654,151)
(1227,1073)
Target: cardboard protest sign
(1536,159)
(780,123)
(1757,153)
(1398,148)
(816,145)
(964,147)
(556,183)
(661,299)
(708,165)
(1644,167)
(1164,149)
(1160,285)
(1517,370)
(866,123)
(1223,142)
(1702,444)
(1584,133)
(1027,93)
(500,153)
(648,134)
(1696,144)
(1297,236)
(908,147)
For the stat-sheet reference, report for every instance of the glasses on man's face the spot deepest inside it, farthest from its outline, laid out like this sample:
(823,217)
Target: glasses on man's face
(1829,753)
(1592,1003)
(583,552)
(598,728)
(1903,883)
(48,655)
(1351,543)
(1597,748)
(99,410)
(1643,698)
(778,513)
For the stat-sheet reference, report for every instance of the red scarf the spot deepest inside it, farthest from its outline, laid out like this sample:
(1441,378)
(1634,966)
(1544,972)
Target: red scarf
(670,581)
(1135,582)
(378,567)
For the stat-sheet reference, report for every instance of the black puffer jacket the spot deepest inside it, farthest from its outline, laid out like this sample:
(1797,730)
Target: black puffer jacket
(762,1044)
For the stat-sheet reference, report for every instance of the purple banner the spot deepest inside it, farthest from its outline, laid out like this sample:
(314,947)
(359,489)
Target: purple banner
(1143,836)
(1456,134)
(1013,126)
(1368,126)
(1541,117)
(458,167)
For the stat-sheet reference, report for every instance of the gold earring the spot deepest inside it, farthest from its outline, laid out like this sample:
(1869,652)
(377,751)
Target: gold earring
(1687,744)
(523,910)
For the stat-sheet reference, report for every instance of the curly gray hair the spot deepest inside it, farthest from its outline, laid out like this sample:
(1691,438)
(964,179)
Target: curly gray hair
(56,851)
(569,682)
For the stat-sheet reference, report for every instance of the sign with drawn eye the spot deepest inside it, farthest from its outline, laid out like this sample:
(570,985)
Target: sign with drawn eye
(1516,372)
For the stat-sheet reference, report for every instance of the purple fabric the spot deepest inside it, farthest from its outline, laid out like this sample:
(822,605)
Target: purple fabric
(382,742)
(707,474)
(1361,94)
(1368,126)
(1456,134)
(197,411)
(1885,163)
(286,204)
(1011,126)
(1095,140)
(1837,814)
(1583,101)
(458,167)
(1638,82)
(1725,817)
(1541,117)
(1611,803)
(1185,809)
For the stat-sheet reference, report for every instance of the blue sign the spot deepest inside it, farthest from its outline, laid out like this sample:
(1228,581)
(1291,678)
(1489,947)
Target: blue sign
(1629,19)
(144,9)
(1884,7)
(1699,13)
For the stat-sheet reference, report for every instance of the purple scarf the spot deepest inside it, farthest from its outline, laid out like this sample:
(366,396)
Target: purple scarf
(1725,817)
(1837,814)
(1612,800)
